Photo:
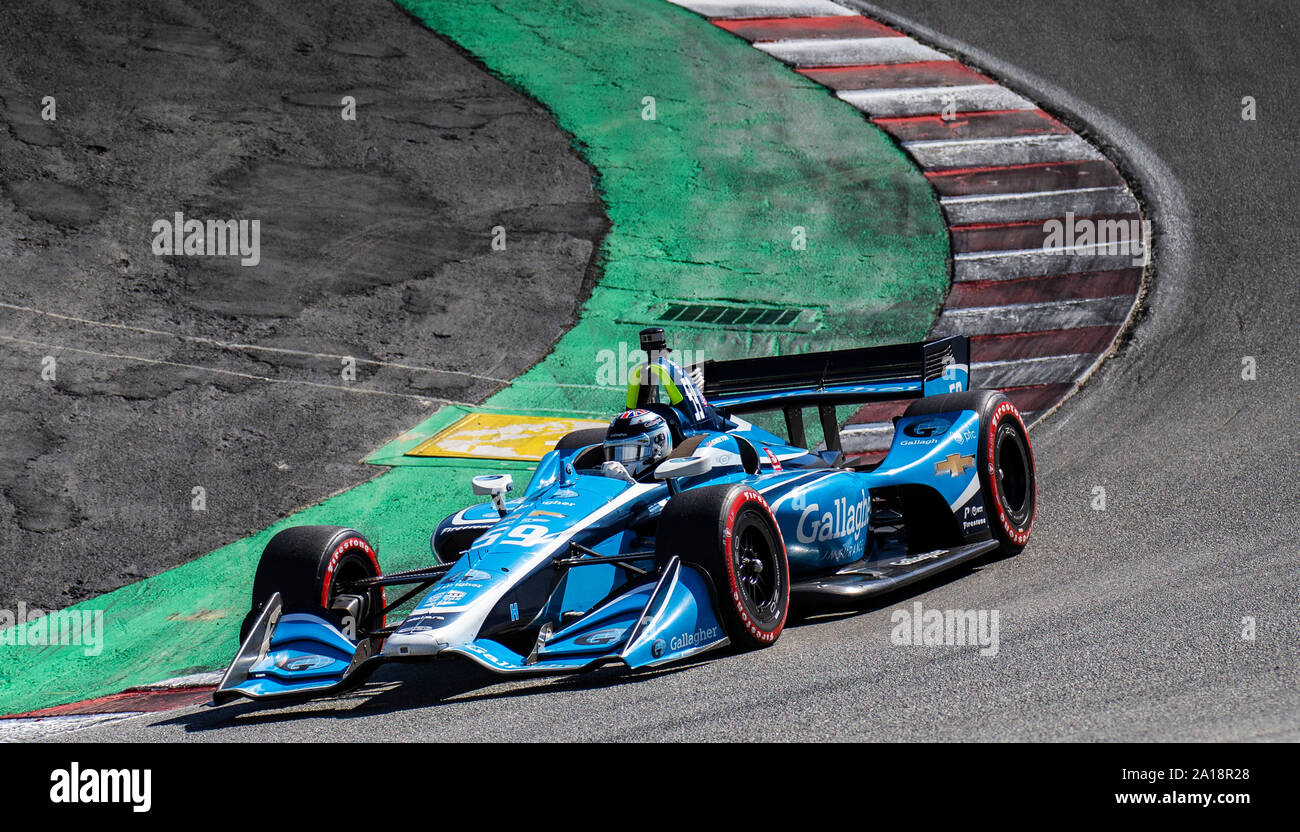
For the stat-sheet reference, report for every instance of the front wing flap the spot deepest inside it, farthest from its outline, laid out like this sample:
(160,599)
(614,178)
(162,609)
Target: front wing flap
(295,655)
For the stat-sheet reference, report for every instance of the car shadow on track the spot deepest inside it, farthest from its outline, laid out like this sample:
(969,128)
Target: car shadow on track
(837,612)
(415,685)
(403,686)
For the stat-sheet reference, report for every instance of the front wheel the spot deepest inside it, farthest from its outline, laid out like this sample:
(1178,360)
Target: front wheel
(729,533)
(309,566)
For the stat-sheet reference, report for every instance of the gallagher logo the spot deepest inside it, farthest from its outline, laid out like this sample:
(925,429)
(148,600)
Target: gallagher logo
(700,636)
(599,638)
(300,664)
(846,520)
(927,428)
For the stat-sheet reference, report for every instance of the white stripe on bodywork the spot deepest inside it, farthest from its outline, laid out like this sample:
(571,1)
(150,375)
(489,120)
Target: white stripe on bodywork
(459,519)
(1007,150)
(924,101)
(764,8)
(966,494)
(841,51)
(464,628)
(805,486)
(789,482)
(790,456)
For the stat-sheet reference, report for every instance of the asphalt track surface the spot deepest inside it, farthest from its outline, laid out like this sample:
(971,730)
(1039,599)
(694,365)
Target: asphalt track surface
(375,244)
(1117,624)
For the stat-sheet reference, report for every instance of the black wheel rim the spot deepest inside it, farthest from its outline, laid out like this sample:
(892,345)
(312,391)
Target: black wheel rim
(350,570)
(758,569)
(1014,477)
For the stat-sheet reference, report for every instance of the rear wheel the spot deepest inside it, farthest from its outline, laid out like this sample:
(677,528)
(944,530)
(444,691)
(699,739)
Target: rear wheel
(580,439)
(728,532)
(590,458)
(310,566)
(1005,461)
(1007,475)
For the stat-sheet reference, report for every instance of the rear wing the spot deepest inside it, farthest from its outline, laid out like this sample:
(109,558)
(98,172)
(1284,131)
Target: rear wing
(837,377)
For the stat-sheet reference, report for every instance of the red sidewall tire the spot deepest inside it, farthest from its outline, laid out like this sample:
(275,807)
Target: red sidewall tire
(761,632)
(710,527)
(305,564)
(1005,445)
(349,550)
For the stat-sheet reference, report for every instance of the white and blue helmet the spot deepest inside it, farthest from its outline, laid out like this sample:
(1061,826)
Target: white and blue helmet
(638,439)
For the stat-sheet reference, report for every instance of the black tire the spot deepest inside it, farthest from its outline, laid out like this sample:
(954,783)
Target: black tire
(726,530)
(581,439)
(1005,461)
(307,565)
(453,543)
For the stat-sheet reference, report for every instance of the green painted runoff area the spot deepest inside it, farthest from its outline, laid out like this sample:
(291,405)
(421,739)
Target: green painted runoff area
(708,201)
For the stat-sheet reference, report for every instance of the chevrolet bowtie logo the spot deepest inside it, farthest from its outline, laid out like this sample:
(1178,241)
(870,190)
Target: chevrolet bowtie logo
(954,464)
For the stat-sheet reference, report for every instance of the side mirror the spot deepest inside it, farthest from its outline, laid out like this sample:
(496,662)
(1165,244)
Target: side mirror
(496,486)
(685,466)
(704,461)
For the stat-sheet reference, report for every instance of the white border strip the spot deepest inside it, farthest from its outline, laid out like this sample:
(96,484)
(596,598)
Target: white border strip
(1047,316)
(1009,265)
(1009,150)
(765,8)
(27,729)
(812,52)
(1042,205)
(920,101)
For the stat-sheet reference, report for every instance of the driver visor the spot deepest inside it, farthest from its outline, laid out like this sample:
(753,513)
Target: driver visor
(624,452)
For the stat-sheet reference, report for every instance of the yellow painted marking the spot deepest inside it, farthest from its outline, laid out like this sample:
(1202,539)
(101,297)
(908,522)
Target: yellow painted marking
(500,436)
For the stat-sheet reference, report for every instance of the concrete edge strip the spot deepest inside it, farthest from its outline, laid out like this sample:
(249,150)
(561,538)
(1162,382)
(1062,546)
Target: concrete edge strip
(1010,150)
(1000,208)
(34,729)
(143,700)
(818,57)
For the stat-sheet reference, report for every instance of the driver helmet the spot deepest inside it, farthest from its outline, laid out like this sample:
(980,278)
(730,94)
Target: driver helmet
(637,439)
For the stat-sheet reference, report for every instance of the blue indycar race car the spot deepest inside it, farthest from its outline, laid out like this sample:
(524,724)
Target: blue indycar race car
(681,528)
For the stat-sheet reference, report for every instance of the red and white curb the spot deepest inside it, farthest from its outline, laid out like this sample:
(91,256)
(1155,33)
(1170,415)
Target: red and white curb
(1040,322)
(160,697)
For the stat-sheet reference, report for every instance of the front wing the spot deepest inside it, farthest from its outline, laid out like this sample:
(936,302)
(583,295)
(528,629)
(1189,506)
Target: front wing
(299,655)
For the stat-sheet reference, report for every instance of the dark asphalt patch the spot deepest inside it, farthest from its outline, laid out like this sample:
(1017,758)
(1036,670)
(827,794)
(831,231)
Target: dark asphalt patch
(375,243)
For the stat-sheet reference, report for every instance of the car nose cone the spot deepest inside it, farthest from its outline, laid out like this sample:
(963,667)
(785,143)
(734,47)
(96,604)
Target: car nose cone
(420,641)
